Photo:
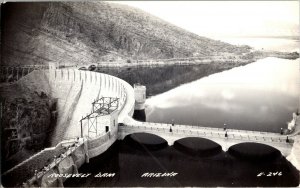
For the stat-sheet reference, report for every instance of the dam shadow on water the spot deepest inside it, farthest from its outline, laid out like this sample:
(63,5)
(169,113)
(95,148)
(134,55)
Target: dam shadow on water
(130,159)
(159,79)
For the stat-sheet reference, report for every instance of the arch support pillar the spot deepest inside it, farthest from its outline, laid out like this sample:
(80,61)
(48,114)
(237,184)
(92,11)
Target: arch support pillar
(170,142)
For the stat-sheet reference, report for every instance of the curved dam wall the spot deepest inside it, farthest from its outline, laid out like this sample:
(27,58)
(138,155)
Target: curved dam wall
(75,91)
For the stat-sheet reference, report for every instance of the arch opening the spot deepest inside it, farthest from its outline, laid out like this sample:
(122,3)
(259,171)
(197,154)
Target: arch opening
(255,152)
(200,147)
(146,141)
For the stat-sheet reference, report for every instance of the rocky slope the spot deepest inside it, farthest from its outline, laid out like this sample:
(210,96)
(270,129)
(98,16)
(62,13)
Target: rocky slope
(89,32)
(26,108)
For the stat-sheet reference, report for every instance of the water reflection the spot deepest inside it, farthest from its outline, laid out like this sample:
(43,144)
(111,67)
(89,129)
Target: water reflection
(258,96)
(139,115)
(161,79)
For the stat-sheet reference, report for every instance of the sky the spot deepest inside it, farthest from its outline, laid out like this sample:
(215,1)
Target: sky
(227,18)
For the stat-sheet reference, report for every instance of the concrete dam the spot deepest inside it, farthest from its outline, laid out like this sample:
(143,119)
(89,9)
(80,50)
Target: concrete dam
(75,92)
(94,110)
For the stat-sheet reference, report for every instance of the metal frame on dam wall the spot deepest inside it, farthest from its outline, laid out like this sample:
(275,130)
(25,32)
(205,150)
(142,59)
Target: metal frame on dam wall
(76,90)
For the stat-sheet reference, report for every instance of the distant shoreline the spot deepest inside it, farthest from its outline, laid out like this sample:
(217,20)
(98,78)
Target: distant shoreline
(220,59)
(283,37)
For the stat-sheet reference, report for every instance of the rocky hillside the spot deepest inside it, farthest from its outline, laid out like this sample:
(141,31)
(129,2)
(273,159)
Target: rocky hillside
(90,32)
(26,109)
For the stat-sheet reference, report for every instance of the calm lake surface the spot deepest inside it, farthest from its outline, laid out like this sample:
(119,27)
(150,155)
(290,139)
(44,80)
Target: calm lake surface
(258,96)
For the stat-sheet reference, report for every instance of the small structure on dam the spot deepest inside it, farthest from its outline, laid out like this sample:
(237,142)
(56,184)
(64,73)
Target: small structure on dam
(140,96)
(140,99)
(102,118)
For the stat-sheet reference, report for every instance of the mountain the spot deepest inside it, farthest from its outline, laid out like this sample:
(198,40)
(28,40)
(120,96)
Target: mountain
(91,32)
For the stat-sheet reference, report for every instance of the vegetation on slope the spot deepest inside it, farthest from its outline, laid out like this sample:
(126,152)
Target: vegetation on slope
(89,32)
(26,108)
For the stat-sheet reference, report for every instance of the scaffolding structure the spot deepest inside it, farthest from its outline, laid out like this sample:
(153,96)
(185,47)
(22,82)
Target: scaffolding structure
(105,105)
(101,107)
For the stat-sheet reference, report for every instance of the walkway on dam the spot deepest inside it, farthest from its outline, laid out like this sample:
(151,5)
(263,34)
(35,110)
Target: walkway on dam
(220,135)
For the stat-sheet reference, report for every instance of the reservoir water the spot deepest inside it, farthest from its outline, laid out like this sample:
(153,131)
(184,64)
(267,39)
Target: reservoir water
(258,96)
